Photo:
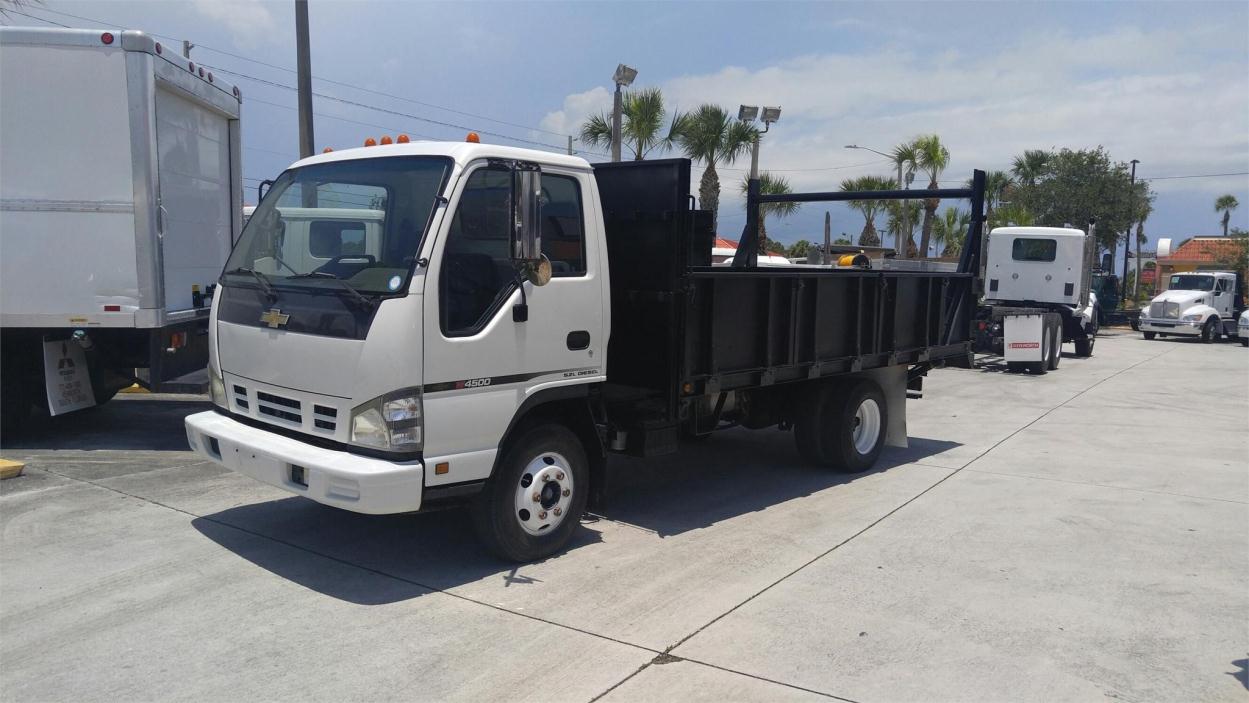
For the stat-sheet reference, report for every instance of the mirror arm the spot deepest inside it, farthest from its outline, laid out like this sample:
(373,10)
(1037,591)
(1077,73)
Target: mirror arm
(520,311)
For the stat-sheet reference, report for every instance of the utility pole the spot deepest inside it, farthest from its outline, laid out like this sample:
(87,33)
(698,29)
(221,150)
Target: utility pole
(1127,241)
(186,48)
(570,145)
(303,64)
(828,238)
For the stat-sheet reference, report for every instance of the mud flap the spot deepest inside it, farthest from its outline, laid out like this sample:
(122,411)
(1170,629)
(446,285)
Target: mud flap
(892,382)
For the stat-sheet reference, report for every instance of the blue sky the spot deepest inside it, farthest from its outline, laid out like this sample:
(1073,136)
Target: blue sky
(1165,83)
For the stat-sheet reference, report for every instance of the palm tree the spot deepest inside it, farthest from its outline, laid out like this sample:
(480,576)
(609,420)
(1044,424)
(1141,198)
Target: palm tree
(950,231)
(711,136)
(906,158)
(869,208)
(642,120)
(770,184)
(1225,204)
(903,216)
(1029,166)
(932,157)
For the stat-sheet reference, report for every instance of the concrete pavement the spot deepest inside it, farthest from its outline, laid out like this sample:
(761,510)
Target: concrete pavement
(1083,534)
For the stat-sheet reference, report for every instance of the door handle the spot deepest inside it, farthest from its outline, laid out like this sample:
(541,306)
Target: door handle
(578,340)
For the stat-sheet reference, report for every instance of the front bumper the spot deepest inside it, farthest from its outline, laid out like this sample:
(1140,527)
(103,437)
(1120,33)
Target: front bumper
(1177,327)
(344,480)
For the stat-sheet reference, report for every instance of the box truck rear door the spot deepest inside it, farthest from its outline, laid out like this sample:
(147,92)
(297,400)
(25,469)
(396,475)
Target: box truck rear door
(193,166)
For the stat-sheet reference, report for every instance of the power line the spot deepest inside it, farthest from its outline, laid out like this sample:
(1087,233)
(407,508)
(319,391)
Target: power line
(8,11)
(1196,175)
(319,78)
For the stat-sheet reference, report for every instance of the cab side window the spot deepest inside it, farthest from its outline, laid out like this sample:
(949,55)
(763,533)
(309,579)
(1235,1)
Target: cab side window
(477,272)
(563,225)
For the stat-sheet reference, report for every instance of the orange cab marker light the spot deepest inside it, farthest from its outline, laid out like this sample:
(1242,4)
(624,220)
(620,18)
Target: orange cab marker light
(472,138)
(402,139)
(387,140)
(326,150)
(442,467)
(370,142)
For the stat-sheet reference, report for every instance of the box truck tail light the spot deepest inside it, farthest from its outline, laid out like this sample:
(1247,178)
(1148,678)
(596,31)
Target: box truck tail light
(106,38)
(210,76)
(191,67)
(112,308)
(201,71)
(159,49)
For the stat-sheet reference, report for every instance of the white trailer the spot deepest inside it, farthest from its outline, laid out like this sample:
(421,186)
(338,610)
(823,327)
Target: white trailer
(120,197)
(1038,295)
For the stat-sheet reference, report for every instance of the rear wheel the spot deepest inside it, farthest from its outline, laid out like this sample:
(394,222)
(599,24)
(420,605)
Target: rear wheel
(1056,346)
(534,502)
(1244,341)
(843,426)
(1149,335)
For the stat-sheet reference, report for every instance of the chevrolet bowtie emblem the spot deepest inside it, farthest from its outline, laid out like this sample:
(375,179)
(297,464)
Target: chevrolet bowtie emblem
(274,318)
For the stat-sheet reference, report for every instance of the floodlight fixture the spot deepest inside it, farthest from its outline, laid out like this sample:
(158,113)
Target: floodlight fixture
(771,114)
(624,75)
(747,113)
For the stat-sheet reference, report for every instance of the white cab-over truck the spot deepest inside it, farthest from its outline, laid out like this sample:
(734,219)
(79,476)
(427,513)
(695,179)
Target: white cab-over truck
(120,196)
(1038,295)
(1202,305)
(401,326)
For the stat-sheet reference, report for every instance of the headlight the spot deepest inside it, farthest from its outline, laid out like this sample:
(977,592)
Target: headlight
(1194,318)
(1244,322)
(216,387)
(391,421)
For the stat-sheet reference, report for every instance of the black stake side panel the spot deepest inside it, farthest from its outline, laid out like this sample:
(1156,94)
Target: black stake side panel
(679,323)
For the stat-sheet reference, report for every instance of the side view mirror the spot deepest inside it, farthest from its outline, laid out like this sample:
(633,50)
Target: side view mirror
(526,235)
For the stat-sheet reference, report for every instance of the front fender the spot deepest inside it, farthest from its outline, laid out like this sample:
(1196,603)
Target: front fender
(1205,311)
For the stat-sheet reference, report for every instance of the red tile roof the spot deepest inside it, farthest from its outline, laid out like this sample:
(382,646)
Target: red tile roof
(722,243)
(1205,249)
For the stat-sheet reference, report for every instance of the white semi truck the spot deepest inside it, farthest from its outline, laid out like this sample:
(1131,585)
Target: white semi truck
(1201,305)
(120,197)
(1038,295)
(484,324)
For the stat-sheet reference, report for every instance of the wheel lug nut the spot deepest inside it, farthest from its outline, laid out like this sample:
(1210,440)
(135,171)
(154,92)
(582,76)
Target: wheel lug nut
(546,477)
(542,515)
(537,496)
(559,476)
(558,512)
(567,492)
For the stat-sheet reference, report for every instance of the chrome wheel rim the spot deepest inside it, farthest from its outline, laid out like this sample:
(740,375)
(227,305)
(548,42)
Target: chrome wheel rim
(544,493)
(866,426)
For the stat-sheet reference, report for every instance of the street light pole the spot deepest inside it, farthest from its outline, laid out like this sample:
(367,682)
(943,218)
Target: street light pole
(303,63)
(623,77)
(748,248)
(906,204)
(1127,241)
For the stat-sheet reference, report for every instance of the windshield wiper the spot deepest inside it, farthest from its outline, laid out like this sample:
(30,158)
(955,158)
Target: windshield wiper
(262,279)
(347,287)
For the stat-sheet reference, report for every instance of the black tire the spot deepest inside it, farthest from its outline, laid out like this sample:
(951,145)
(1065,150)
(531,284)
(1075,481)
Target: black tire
(1208,333)
(829,422)
(1084,347)
(1016,367)
(1244,341)
(495,517)
(1056,343)
(1149,335)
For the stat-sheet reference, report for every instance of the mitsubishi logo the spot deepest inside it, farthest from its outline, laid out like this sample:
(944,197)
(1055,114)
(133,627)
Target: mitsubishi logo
(274,318)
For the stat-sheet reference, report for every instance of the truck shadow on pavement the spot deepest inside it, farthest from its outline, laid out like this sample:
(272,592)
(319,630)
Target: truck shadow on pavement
(127,422)
(372,560)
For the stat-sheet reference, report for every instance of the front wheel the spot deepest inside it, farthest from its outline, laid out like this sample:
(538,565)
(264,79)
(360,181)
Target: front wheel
(535,500)
(1208,332)
(1244,341)
(844,426)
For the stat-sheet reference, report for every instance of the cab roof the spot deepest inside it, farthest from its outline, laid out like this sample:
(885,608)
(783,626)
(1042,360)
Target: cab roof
(1039,231)
(461,152)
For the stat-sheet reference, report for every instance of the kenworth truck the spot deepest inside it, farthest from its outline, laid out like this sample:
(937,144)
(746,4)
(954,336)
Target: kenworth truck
(1203,305)
(120,189)
(496,321)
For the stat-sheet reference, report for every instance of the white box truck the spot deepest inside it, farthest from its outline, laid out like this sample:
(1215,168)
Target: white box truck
(120,197)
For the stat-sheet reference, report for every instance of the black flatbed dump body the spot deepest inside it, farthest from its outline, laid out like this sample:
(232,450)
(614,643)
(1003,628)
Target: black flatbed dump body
(684,331)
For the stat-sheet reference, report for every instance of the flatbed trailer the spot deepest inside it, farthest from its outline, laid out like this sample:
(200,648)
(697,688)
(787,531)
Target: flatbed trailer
(710,344)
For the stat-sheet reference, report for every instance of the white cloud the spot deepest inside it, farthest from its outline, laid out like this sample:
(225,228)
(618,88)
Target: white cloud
(248,20)
(1177,99)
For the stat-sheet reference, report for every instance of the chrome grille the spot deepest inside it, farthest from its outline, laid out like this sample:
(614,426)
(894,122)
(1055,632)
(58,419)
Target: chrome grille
(1165,310)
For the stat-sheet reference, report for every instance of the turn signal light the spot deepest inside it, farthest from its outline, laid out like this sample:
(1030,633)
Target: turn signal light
(402,139)
(386,139)
(326,150)
(370,142)
(472,138)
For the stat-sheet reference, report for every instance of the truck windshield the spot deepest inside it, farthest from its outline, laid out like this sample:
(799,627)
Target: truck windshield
(358,221)
(1191,282)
